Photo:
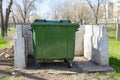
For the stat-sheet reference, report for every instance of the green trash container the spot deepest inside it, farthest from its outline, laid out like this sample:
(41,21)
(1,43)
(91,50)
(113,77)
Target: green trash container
(54,40)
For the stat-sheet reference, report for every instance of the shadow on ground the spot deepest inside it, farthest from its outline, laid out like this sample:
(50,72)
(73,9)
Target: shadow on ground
(58,66)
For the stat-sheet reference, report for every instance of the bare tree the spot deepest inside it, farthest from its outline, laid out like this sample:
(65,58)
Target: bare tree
(25,9)
(35,16)
(55,14)
(102,13)
(82,13)
(4,22)
(14,18)
(95,6)
(77,12)
(61,11)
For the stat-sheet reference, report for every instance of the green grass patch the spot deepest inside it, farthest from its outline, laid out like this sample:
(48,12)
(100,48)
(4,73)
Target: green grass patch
(114,50)
(5,43)
(11,30)
(7,78)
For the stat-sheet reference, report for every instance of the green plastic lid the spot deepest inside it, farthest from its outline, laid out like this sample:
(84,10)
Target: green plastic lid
(54,23)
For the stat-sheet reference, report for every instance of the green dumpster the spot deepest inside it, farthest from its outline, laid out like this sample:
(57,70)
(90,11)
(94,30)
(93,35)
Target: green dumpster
(54,40)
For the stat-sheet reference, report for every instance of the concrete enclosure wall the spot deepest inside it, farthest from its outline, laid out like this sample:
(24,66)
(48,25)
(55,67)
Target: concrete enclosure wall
(91,41)
(23,45)
(96,44)
(79,41)
(27,33)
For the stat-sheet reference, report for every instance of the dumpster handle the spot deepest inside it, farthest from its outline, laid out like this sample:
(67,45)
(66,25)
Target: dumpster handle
(65,20)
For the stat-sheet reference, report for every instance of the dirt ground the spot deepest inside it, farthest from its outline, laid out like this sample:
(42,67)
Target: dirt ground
(49,71)
(6,69)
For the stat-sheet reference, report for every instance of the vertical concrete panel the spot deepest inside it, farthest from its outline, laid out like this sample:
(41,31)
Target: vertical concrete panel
(96,44)
(88,42)
(27,33)
(79,41)
(19,49)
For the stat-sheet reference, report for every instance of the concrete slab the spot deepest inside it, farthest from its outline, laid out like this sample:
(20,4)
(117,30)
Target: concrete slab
(87,66)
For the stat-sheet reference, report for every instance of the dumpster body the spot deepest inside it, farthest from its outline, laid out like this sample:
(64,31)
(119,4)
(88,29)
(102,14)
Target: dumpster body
(53,40)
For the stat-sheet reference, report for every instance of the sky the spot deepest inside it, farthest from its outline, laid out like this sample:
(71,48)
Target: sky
(44,6)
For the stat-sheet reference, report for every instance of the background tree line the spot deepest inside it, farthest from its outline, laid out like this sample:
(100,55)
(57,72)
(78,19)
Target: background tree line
(25,11)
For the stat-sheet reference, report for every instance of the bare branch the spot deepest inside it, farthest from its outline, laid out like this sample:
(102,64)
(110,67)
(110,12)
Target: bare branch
(25,9)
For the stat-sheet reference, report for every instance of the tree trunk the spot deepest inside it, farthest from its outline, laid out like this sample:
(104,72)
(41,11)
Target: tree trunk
(6,21)
(4,24)
(24,20)
(81,21)
(96,20)
(2,20)
(2,30)
(7,16)
(14,21)
(118,32)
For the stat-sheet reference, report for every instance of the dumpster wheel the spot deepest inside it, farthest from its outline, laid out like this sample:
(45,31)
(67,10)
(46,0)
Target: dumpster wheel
(69,64)
(38,65)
